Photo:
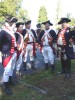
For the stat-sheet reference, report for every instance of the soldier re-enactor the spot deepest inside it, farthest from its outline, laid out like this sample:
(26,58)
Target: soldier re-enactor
(29,36)
(20,46)
(46,39)
(66,47)
(7,48)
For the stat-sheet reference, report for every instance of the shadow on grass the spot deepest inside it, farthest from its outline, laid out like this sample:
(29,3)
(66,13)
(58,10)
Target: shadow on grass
(57,87)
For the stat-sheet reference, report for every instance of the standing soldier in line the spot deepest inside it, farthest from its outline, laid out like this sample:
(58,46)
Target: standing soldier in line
(38,30)
(7,48)
(29,44)
(66,48)
(20,45)
(46,39)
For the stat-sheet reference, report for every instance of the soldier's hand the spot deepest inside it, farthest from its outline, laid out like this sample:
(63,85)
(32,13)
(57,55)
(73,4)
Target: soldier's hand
(25,44)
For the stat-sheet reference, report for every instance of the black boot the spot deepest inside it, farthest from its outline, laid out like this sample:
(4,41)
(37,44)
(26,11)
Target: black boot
(63,67)
(68,69)
(52,68)
(11,81)
(32,65)
(24,66)
(7,89)
(46,66)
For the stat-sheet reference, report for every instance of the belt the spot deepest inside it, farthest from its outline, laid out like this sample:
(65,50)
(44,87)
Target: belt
(30,42)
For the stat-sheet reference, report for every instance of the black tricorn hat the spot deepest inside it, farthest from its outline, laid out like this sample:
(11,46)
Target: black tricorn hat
(11,19)
(19,23)
(64,20)
(27,21)
(48,23)
(38,25)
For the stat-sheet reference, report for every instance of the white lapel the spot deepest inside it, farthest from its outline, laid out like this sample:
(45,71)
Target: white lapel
(30,32)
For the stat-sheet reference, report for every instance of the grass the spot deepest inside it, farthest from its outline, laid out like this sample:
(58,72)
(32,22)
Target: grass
(57,87)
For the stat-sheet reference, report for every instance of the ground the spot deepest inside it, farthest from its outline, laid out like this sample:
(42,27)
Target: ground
(55,85)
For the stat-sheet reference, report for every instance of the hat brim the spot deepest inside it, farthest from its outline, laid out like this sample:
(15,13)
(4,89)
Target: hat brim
(12,20)
(28,22)
(19,23)
(63,21)
(38,25)
(48,23)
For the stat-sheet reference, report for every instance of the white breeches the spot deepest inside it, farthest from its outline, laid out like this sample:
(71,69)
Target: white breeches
(8,70)
(29,51)
(19,61)
(48,54)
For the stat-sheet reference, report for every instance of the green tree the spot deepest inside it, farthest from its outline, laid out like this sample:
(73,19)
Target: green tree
(58,11)
(72,23)
(9,7)
(22,14)
(42,14)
